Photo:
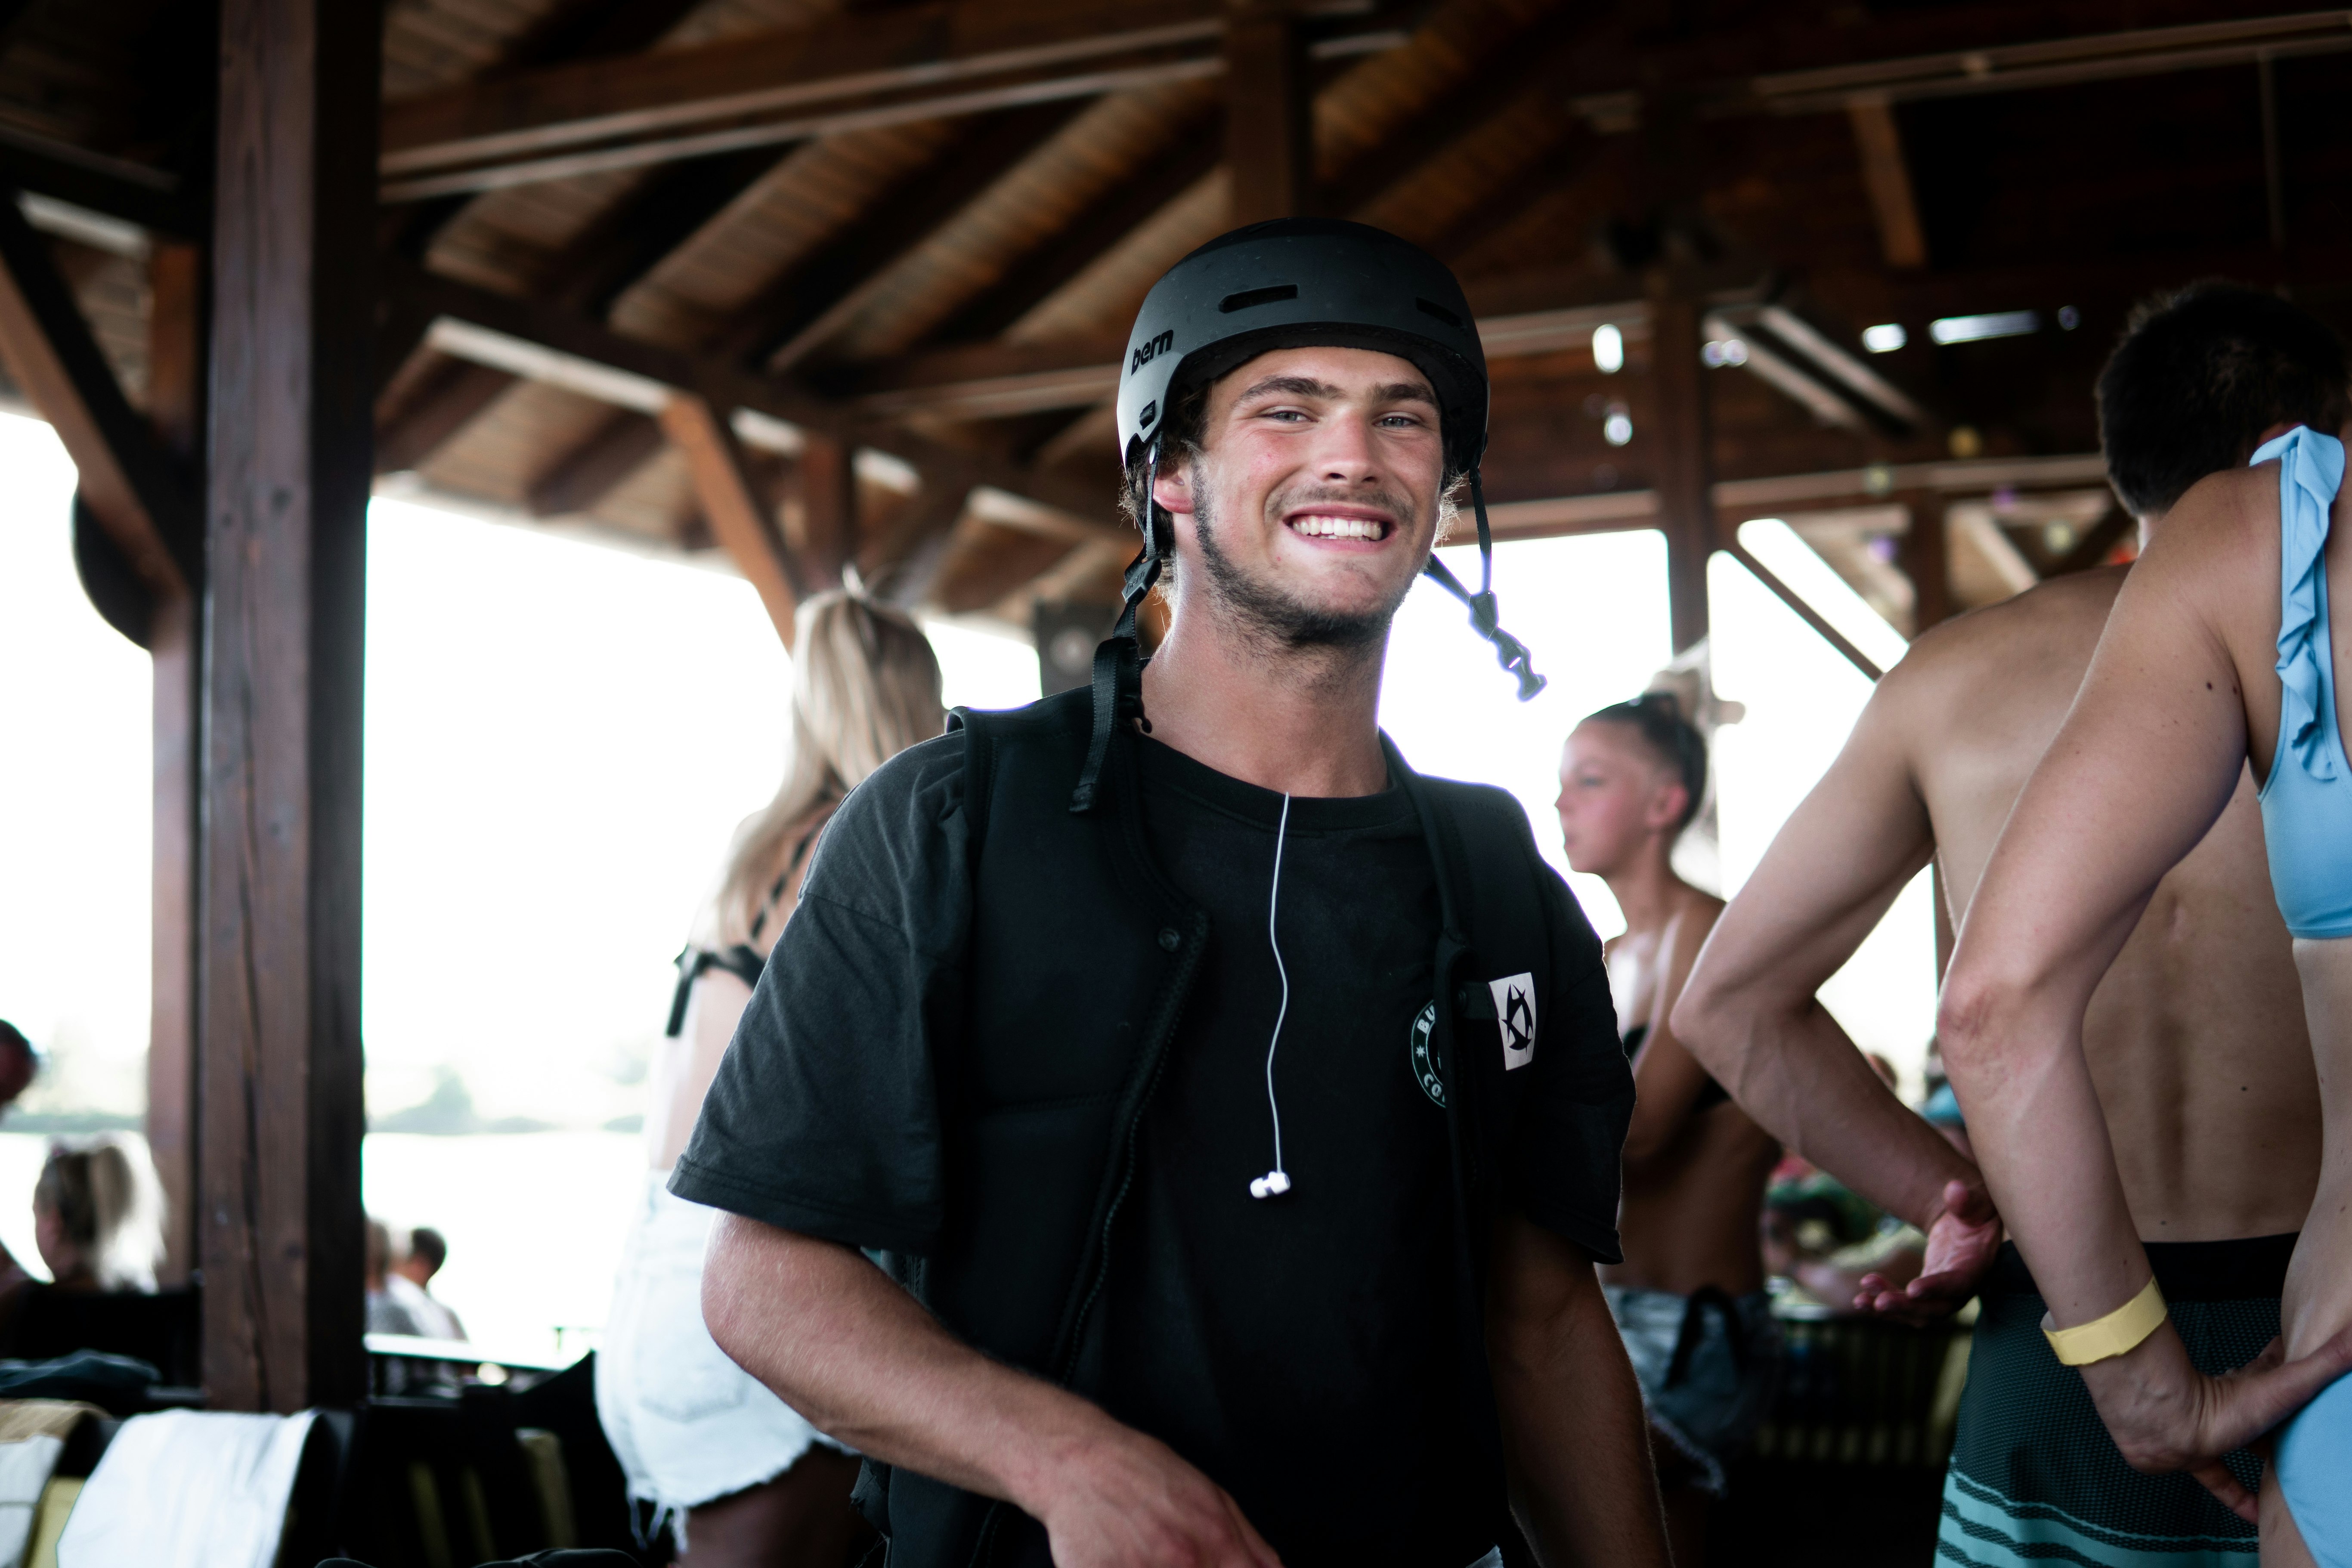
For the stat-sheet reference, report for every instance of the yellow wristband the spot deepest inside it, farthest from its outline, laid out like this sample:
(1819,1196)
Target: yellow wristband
(2118,1332)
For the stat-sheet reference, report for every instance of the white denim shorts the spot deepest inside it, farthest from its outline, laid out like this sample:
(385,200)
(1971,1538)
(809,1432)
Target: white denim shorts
(687,1424)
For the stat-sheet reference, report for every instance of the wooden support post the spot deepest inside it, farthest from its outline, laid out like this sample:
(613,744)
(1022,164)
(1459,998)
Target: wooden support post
(732,503)
(1925,557)
(1685,449)
(1270,118)
(1886,176)
(279,1057)
(175,388)
(821,516)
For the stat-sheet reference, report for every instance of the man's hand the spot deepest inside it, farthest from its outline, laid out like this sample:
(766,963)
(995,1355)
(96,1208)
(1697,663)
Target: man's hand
(1963,1238)
(2165,1414)
(1130,1503)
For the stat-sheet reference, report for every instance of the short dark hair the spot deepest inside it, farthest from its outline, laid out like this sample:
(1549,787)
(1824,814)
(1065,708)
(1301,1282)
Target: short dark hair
(2196,379)
(430,1244)
(1674,740)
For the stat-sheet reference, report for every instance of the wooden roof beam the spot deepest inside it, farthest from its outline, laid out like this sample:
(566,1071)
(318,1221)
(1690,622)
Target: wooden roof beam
(731,502)
(128,481)
(945,56)
(534,339)
(1886,176)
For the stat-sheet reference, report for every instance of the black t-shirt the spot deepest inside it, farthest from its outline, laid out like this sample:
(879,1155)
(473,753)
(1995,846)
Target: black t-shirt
(1304,1350)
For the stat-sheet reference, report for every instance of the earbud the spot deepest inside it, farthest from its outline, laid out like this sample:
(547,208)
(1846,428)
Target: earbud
(1273,1185)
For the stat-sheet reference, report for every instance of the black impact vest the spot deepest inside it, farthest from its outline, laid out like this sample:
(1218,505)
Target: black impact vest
(1082,955)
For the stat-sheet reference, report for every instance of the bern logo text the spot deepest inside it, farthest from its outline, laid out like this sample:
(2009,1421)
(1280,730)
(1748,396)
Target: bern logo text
(1152,350)
(1515,1014)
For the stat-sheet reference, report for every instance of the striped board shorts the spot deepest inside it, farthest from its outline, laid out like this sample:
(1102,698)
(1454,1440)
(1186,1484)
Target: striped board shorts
(2035,1479)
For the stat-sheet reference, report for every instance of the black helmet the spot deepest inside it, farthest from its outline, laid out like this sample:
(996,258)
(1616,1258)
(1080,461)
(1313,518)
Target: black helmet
(1293,283)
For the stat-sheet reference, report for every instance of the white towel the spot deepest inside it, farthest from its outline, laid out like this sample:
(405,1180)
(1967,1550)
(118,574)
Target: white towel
(26,1467)
(188,1488)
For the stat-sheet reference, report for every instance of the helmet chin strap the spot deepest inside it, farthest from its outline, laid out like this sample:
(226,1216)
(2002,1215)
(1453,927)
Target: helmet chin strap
(1119,660)
(1511,653)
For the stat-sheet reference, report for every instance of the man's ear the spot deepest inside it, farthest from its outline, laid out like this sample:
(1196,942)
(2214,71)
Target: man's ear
(1171,487)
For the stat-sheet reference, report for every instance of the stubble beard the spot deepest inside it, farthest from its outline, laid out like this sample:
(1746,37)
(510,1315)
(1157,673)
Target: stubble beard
(1263,613)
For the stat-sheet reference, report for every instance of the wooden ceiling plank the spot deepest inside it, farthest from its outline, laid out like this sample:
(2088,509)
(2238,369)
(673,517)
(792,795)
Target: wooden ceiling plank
(443,407)
(1524,66)
(731,505)
(934,49)
(814,300)
(582,477)
(127,477)
(1058,258)
(1886,176)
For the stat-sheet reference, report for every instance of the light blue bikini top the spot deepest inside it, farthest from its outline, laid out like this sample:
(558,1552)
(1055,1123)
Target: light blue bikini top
(2307,799)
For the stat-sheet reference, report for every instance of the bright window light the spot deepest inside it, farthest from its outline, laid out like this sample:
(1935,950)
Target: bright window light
(1617,429)
(1784,553)
(1885,338)
(1608,349)
(1975,329)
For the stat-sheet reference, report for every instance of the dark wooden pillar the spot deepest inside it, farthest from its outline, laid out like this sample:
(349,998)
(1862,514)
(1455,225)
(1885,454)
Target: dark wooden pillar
(1926,558)
(1685,444)
(1269,117)
(279,1057)
(175,357)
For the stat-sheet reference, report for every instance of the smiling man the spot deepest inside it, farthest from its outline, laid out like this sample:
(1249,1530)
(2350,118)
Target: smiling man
(1234,1113)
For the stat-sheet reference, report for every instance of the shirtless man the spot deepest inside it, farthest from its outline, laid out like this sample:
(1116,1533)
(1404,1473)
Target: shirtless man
(2195,1038)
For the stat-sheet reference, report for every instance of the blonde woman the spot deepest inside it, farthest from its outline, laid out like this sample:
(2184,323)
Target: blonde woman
(98,1214)
(741,1476)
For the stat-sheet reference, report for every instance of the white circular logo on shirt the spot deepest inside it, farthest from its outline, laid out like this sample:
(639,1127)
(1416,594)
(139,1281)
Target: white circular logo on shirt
(1425,1056)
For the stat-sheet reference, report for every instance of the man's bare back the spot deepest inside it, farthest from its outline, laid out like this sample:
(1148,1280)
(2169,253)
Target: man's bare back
(2196,1037)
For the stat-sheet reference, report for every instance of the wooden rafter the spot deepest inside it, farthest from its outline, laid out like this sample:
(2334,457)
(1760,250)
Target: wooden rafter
(1887,175)
(794,317)
(533,337)
(127,479)
(948,57)
(731,504)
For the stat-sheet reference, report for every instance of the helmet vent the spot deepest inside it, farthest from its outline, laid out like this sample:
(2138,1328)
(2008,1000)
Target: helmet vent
(1249,299)
(1431,307)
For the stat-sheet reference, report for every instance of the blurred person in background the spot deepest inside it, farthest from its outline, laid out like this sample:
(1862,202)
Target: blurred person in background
(410,1279)
(19,1064)
(1689,1297)
(98,1214)
(386,1315)
(744,1478)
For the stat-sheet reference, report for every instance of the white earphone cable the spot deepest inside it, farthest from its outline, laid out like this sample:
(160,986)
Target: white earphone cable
(1277,1181)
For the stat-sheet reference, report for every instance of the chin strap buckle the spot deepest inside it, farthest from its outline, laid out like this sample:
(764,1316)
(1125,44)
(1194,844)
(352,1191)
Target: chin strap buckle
(1486,618)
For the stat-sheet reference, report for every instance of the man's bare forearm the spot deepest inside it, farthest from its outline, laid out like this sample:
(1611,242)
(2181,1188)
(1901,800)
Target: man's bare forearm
(864,1362)
(844,1345)
(1571,1413)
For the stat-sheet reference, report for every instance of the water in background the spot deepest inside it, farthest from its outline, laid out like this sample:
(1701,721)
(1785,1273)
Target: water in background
(535,1223)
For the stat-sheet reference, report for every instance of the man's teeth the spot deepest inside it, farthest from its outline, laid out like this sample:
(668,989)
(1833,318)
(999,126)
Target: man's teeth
(1319,527)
